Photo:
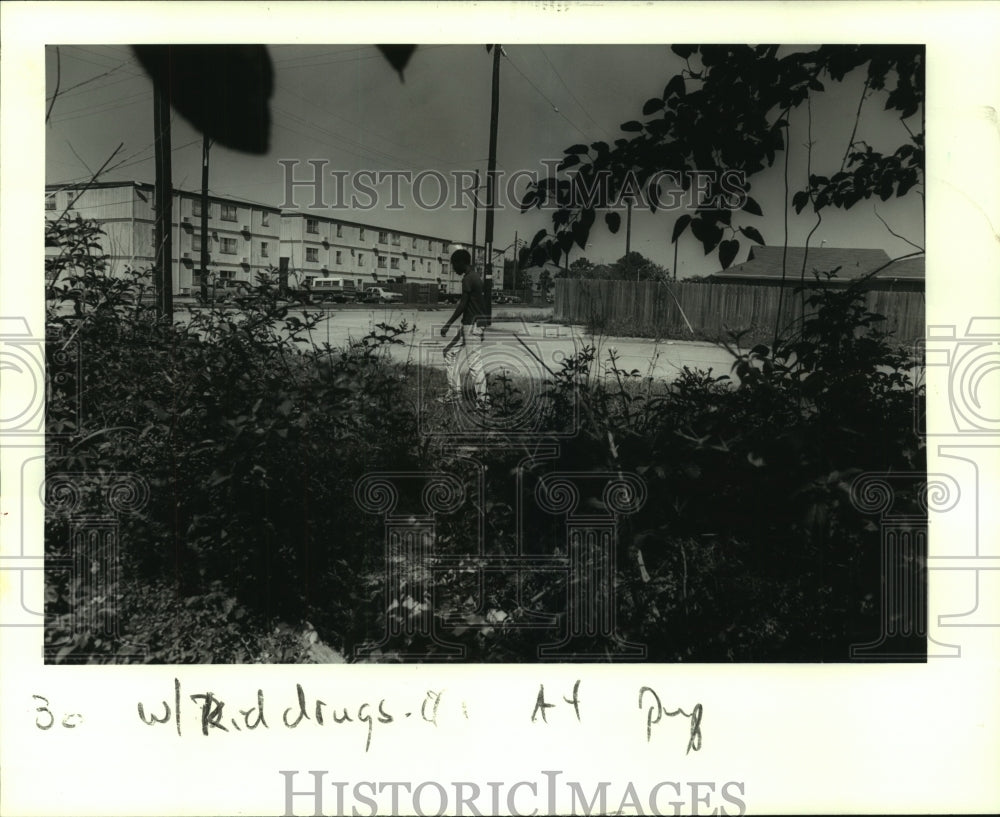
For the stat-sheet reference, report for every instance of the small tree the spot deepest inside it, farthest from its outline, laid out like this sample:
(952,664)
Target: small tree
(545,281)
(581,268)
(636,267)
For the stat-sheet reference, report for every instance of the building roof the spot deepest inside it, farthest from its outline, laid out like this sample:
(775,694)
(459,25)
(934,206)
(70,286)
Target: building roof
(368,225)
(765,264)
(147,186)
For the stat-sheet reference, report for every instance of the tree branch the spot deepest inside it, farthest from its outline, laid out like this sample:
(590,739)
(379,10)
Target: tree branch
(893,232)
(857,119)
(52,103)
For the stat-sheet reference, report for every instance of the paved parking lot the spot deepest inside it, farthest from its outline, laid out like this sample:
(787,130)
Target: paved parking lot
(521,345)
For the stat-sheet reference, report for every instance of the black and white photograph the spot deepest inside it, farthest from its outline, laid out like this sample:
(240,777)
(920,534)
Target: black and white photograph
(485,353)
(505,408)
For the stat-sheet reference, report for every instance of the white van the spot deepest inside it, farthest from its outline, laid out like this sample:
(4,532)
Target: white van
(341,290)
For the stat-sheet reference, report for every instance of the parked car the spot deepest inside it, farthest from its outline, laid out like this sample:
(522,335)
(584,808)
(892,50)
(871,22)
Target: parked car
(378,295)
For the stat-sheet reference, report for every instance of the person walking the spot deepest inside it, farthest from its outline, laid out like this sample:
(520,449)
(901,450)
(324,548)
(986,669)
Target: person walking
(468,341)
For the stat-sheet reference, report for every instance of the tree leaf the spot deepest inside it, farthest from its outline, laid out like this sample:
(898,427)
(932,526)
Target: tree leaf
(728,251)
(632,126)
(675,87)
(753,234)
(576,149)
(751,206)
(800,200)
(652,106)
(708,234)
(613,220)
(679,226)
(397,55)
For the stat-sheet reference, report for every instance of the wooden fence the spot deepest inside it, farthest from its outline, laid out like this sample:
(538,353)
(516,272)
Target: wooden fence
(652,309)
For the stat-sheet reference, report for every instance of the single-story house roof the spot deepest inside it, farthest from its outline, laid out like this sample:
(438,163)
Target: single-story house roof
(533,272)
(764,264)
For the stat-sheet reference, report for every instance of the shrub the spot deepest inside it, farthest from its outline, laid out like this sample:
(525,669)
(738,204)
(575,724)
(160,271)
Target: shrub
(252,439)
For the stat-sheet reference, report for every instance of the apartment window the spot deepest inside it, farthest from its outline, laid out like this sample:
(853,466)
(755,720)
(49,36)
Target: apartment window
(263,249)
(229,212)
(361,233)
(381,262)
(361,260)
(50,202)
(196,242)
(414,243)
(394,263)
(312,254)
(196,208)
(413,266)
(228,246)
(395,239)
(312,225)
(383,237)
(265,218)
(340,257)
(444,269)
(340,231)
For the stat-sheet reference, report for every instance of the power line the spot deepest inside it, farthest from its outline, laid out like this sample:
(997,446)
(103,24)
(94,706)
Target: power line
(334,58)
(574,97)
(354,124)
(107,107)
(87,81)
(543,96)
(105,65)
(385,155)
(125,162)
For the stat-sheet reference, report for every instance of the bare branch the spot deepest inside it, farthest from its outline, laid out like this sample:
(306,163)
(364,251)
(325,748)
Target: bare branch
(857,119)
(52,103)
(893,232)
(93,179)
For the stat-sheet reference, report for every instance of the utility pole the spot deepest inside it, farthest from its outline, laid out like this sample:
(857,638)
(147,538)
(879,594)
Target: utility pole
(205,146)
(475,216)
(491,183)
(513,280)
(163,199)
(628,239)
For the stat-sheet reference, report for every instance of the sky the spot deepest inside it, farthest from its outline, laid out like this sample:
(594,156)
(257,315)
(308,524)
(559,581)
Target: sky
(346,105)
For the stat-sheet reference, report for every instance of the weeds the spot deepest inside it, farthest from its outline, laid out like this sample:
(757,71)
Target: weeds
(252,439)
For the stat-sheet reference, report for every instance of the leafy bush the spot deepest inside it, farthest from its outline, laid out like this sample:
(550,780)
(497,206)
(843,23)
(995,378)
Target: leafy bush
(252,439)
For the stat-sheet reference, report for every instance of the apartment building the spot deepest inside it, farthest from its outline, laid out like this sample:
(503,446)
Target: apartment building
(246,238)
(317,246)
(243,236)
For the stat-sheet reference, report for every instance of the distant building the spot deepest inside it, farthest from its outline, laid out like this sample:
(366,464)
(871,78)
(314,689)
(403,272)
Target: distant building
(534,273)
(246,238)
(320,246)
(763,268)
(243,236)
